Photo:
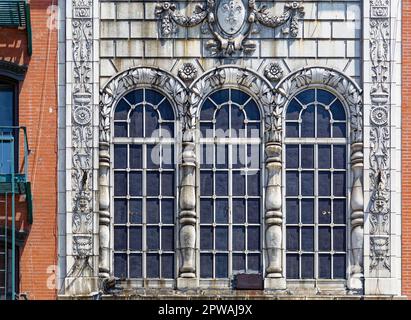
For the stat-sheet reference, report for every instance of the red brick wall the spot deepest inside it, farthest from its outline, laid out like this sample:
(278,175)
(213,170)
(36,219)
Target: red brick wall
(38,112)
(406,148)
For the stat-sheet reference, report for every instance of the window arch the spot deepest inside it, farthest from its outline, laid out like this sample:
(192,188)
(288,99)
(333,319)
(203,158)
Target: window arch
(230,185)
(316,194)
(144,192)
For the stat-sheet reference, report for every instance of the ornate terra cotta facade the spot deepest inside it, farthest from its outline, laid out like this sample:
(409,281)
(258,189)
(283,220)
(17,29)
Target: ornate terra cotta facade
(320,76)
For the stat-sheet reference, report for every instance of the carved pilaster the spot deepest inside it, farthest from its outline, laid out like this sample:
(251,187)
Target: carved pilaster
(274,217)
(104,210)
(187,214)
(357,217)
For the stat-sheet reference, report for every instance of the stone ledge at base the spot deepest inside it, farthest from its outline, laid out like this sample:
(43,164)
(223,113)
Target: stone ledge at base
(234,295)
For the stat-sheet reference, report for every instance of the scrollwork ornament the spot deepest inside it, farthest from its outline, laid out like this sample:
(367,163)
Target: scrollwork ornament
(230,22)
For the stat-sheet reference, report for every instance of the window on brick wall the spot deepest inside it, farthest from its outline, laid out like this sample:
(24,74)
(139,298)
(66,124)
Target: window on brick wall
(144,186)
(316,186)
(230,186)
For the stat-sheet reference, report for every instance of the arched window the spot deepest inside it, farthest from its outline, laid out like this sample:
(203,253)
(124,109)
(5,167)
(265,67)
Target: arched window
(230,185)
(144,186)
(316,186)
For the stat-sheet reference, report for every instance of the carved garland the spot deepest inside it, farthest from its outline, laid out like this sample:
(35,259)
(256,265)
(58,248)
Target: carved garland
(82,138)
(380,137)
(229,21)
(351,94)
(116,88)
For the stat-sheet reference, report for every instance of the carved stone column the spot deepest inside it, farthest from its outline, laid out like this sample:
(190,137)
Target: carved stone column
(104,210)
(357,217)
(274,218)
(187,216)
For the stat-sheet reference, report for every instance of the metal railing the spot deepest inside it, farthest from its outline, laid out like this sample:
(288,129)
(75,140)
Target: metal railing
(13,181)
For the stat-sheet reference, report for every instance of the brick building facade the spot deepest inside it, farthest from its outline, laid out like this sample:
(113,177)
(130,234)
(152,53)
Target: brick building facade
(225,147)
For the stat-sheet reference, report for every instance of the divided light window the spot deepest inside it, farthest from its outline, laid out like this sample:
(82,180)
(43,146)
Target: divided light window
(144,186)
(316,186)
(230,185)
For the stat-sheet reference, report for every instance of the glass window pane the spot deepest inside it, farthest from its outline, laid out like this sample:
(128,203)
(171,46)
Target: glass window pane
(339,266)
(153,266)
(134,97)
(253,238)
(306,96)
(136,210)
(153,211)
(293,238)
(307,239)
(239,97)
(292,262)
(253,183)
(292,183)
(238,183)
(324,238)
(220,96)
(221,211)
(153,156)
(307,266)
(206,238)
(239,210)
(206,130)
(238,238)
(252,111)
(324,266)
(307,211)
(221,238)
(167,211)
(153,183)
(221,120)
(120,113)
(120,183)
(221,156)
(221,265)
(153,238)
(167,183)
(206,265)
(167,238)
(120,129)
(151,123)
(120,238)
(237,121)
(324,211)
(292,154)
(120,211)
(135,238)
(136,155)
(339,211)
(135,183)
(323,123)
(307,156)
(206,211)
(254,262)
(253,156)
(292,208)
(167,266)
(167,156)
(166,110)
(325,97)
(339,235)
(221,185)
(307,183)
(339,157)
(120,156)
(206,183)
(291,129)
(339,130)
(324,156)
(136,122)
(238,262)
(324,183)
(253,209)
(120,265)
(308,122)
(337,110)
(293,110)
(135,265)
(207,110)
(339,184)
